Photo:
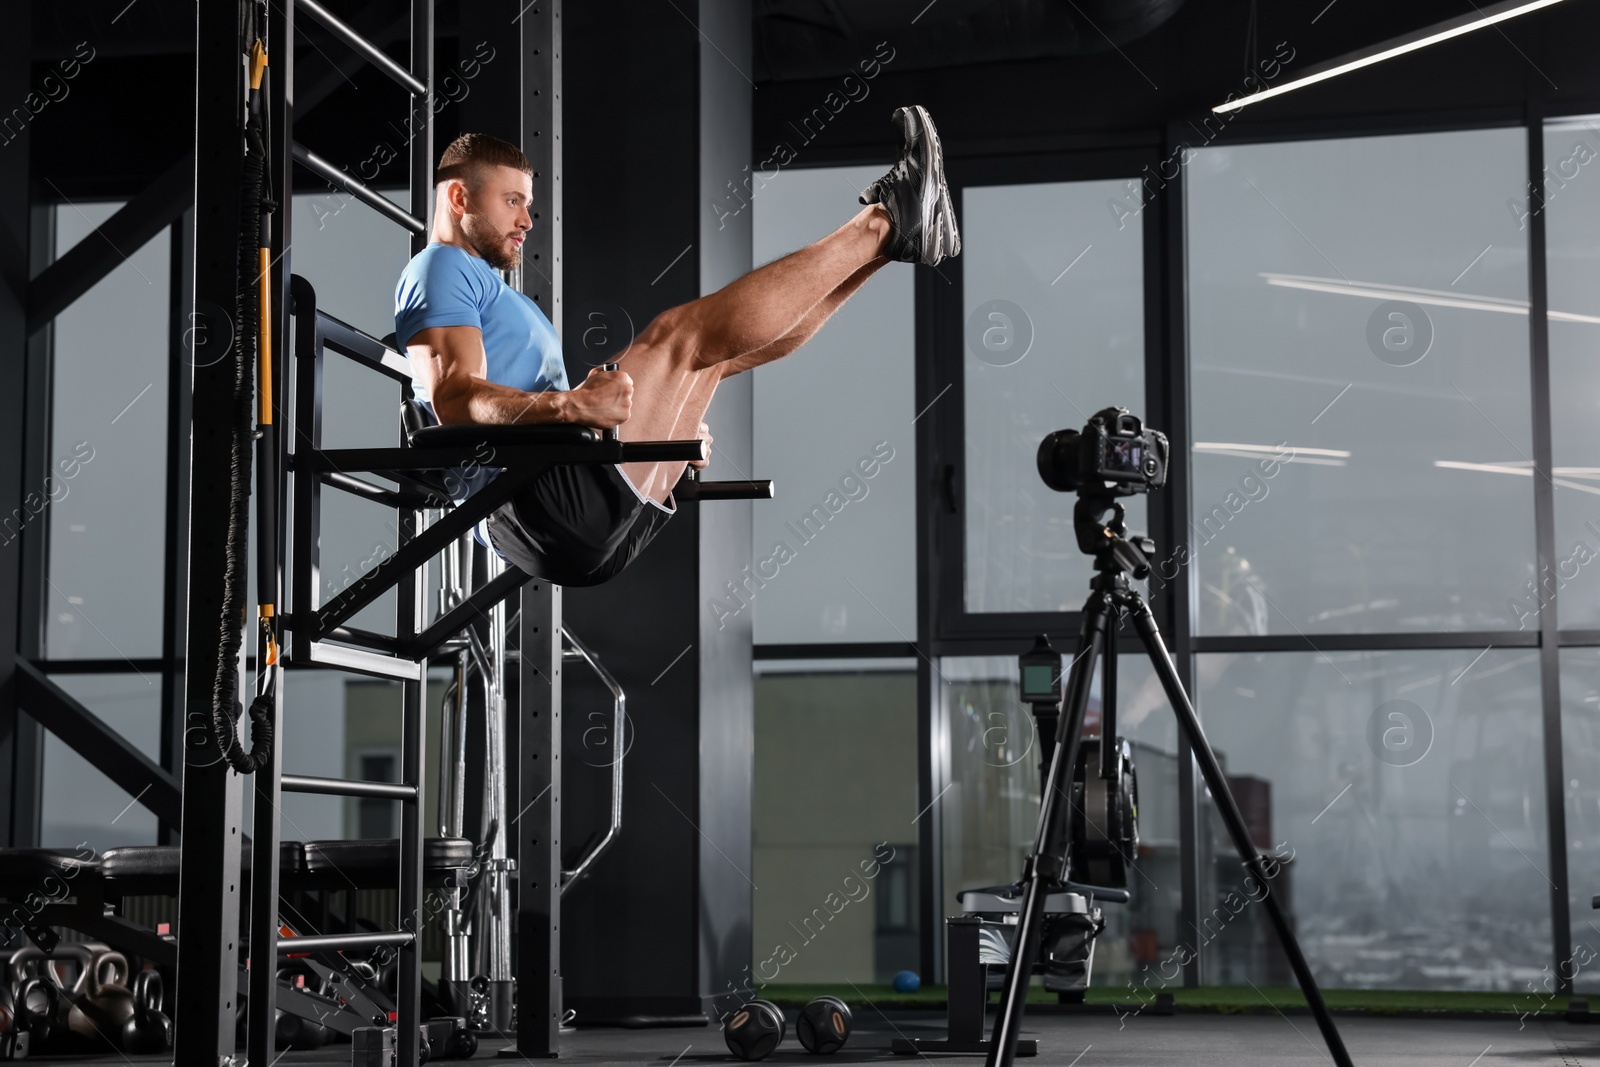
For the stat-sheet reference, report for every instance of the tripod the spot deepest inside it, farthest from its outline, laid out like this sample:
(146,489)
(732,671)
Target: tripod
(1116,557)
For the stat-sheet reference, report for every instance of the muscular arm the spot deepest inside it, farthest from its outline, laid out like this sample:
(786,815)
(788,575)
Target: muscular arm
(451,362)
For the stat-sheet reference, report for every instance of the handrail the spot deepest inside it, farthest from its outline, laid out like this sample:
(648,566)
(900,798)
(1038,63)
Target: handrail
(619,717)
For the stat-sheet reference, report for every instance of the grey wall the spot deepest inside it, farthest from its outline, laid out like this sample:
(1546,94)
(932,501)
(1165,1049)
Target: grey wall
(635,184)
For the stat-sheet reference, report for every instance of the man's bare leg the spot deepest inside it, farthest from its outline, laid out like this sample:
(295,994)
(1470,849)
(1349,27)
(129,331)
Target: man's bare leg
(757,309)
(672,395)
(808,326)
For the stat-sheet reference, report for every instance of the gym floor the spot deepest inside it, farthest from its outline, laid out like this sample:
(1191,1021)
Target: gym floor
(1103,1041)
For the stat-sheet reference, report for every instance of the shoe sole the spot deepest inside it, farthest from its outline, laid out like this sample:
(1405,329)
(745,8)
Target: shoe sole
(940,239)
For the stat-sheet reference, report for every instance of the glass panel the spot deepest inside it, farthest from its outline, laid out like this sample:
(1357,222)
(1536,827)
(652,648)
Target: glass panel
(108,454)
(991,809)
(1572,235)
(1580,756)
(1407,788)
(1359,308)
(81,805)
(835,796)
(1053,305)
(833,429)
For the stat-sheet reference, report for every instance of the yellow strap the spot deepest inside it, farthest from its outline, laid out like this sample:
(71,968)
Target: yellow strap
(265,287)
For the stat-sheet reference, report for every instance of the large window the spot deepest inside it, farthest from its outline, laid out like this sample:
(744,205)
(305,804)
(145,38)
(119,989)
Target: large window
(833,429)
(1053,313)
(834,833)
(1406,792)
(1358,335)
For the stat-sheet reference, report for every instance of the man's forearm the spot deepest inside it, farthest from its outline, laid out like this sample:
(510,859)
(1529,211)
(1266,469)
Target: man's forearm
(494,404)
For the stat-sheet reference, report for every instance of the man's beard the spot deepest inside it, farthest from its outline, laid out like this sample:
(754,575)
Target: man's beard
(490,244)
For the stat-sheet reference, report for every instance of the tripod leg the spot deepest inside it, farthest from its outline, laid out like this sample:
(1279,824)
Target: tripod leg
(1144,622)
(1046,867)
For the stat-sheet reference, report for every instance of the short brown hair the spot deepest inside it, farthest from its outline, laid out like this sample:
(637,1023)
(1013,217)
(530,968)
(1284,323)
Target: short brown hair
(469,154)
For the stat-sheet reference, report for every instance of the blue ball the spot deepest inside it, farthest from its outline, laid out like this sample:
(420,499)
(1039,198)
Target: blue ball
(907,982)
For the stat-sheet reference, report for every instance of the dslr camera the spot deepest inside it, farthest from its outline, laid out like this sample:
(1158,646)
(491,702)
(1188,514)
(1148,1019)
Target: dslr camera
(1114,455)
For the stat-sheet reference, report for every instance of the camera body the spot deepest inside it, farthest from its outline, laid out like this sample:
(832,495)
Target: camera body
(1114,455)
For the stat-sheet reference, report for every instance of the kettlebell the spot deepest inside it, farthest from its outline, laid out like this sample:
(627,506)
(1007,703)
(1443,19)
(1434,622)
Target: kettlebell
(36,1000)
(24,963)
(149,1030)
(99,1002)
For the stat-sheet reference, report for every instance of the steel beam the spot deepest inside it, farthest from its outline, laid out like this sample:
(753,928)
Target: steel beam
(106,750)
(208,883)
(17,617)
(97,254)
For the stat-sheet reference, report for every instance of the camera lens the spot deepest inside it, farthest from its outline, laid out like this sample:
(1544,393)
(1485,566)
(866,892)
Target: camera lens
(1058,460)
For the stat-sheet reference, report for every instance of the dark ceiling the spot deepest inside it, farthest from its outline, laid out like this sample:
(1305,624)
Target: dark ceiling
(1017,75)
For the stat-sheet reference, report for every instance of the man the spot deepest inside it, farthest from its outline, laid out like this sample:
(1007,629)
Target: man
(482,352)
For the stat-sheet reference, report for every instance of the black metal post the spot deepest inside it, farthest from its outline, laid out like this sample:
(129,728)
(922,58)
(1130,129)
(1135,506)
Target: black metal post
(175,561)
(1167,390)
(208,909)
(536,826)
(409,600)
(421,163)
(1544,523)
(16,747)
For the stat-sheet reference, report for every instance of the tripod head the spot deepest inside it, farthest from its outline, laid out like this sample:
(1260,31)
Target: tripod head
(1114,552)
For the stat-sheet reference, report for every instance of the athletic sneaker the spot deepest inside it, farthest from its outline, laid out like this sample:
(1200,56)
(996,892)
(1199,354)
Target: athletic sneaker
(922,219)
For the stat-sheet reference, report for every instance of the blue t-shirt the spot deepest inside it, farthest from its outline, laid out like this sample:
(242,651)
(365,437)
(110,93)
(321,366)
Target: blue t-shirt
(447,286)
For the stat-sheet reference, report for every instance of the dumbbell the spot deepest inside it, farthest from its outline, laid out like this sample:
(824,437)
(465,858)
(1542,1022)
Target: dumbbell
(824,1025)
(150,1030)
(755,1030)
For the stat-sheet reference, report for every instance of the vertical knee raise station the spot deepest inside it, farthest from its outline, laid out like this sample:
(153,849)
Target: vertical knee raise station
(500,936)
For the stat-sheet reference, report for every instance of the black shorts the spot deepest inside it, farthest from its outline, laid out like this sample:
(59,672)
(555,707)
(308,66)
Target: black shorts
(576,525)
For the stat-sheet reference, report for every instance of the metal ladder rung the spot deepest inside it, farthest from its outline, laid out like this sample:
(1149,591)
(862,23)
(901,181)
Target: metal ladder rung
(344,787)
(374,55)
(335,942)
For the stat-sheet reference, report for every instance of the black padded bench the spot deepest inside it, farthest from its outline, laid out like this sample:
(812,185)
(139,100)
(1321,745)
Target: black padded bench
(82,893)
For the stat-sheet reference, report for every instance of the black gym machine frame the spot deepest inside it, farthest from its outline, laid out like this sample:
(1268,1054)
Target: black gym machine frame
(240,122)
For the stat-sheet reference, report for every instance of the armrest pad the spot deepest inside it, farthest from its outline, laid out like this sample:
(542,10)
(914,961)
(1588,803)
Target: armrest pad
(461,434)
